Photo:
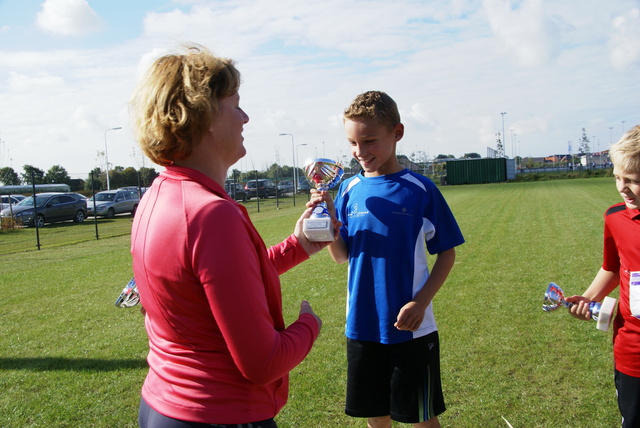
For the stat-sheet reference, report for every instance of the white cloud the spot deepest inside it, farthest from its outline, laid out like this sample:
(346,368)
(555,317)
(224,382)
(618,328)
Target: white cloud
(625,40)
(451,65)
(527,33)
(68,17)
(366,30)
(20,82)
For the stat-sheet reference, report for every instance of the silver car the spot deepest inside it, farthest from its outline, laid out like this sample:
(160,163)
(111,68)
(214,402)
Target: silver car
(285,186)
(48,208)
(10,200)
(112,202)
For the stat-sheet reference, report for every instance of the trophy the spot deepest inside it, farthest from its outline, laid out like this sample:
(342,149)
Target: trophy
(129,296)
(323,174)
(600,312)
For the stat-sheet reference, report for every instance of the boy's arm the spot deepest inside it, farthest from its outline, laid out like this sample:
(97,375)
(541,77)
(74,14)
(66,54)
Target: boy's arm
(412,314)
(603,284)
(338,250)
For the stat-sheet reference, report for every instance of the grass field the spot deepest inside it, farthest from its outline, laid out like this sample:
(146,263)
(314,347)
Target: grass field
(69,357)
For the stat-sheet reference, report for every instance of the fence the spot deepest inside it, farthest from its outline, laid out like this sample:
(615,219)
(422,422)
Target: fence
(21,238)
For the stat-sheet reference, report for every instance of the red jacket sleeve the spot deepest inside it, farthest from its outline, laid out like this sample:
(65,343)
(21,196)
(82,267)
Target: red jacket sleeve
(287,254)
(243,290)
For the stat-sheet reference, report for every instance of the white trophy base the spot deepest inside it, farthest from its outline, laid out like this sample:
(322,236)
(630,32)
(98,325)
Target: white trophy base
(318,229)
(606,313)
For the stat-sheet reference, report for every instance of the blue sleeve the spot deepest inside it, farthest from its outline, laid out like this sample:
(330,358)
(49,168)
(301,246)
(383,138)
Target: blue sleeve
(447,232)
(340,203)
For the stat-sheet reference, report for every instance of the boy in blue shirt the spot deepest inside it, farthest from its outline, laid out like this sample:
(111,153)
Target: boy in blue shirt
(390,217)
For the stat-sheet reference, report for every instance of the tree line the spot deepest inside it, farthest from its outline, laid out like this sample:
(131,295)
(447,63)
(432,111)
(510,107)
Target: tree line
(120,176)
(97,178)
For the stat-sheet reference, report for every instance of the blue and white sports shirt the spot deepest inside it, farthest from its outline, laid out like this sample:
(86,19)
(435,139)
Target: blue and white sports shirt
(389,222)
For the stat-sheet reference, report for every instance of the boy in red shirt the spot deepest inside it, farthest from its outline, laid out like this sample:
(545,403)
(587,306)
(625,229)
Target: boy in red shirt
(621,266)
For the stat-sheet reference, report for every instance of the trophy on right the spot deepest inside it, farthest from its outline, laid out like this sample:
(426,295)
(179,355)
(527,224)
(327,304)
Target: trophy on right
(323,174)
(129,296)
(600,312)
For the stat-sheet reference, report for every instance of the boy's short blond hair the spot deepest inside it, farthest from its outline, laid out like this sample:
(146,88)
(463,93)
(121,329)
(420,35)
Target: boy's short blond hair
(178,99)
(625,154)
(375,105)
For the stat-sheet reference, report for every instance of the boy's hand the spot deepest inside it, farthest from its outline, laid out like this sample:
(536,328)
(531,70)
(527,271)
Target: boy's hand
(580,308)
(410,317)
(317,197)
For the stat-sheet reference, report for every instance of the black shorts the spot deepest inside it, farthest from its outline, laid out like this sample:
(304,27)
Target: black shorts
(628,390)
(401,380)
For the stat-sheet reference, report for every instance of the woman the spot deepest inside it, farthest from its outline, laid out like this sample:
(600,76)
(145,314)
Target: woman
(219,350)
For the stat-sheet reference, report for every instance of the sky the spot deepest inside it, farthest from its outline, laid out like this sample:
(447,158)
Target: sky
(461,71)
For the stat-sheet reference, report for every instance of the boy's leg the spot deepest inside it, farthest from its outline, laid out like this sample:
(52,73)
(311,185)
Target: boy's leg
(431,423)
(416,389)
(628,390)
(379,422)
(385,422)
(368,380)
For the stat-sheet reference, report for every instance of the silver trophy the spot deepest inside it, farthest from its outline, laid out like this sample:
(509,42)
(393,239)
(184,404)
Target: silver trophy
(323,174)
(600,312)
(129,296)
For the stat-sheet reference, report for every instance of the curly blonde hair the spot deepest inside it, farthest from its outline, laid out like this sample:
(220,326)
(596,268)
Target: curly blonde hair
(374,105)
(178,99)
(625,154)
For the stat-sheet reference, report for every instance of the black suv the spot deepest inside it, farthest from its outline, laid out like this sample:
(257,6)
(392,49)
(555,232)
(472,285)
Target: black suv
(260,188)
(235,190)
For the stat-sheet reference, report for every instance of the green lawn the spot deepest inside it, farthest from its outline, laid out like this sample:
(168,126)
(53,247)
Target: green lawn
(69,357)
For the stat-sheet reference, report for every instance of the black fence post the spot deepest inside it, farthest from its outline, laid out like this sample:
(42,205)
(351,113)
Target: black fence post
(35,210)
(277,191)
(257,190)
(93,201)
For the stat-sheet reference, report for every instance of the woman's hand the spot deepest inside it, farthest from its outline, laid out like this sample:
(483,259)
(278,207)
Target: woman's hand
(305,308)
(317,197)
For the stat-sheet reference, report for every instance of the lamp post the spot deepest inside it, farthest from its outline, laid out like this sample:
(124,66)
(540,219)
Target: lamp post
(511,131)
(106,153)
(293,153)
(502,114)
(295,171)
(611,135)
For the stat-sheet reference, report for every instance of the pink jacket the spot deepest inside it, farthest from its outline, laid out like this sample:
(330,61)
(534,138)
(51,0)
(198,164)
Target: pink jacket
(219,349)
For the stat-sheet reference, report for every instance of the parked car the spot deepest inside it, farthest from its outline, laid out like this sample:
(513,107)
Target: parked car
(304,187)
(10,200)
(235,190)
(48,208)
(112,202)
(137,191)
(285,186)
(260,188)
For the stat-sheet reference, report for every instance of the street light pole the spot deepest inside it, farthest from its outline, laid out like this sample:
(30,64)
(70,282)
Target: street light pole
(106,153)
(512,137)
(293,153)
(296,170)
(611,135)
(502,114)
